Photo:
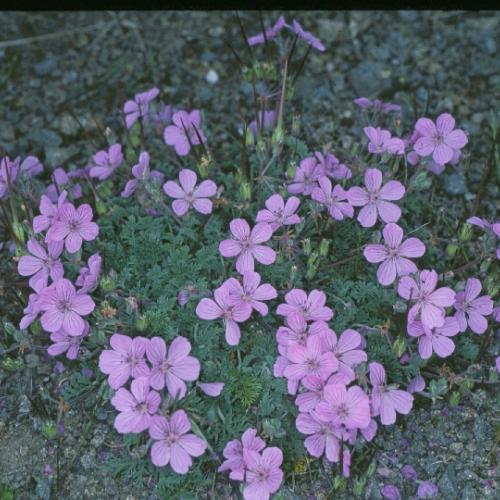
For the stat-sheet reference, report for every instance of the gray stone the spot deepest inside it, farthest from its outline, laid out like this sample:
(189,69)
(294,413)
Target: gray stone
(447,485)
(367,78)
(46,66)
(42,489)
(455,184)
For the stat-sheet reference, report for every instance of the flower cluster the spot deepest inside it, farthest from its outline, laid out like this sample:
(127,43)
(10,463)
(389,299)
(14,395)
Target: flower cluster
(250,461)
(155,368)
(9,170)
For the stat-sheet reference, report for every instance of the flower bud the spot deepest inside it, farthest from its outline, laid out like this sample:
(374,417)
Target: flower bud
(290,171)
(249,139)
(18,230)
(296,124)
(245,191)
(491,285)
(451,249)
(454,398)
(49,429)
(141,323)
(277,138)
(306,246)
(324,247)
(312,265)
(399,347)
(204,166)
(107,284)
(400,307)
(466,232)
(100,207)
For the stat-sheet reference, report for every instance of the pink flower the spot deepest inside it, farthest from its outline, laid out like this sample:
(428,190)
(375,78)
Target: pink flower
(382,142)
(223,307)
(308,37)
(73,226)
(331,166)
(32,310)
(296,330)
(212,389)
(174,444)
(346,350)
(142,174)
(267,120)
(89,275)
(435,339)
(172,367)
(188,195)
(417,384)
(394,254)
(375,199)
(427,489)
(306,177)
(31,166)
(233,453)
(104,163)
(386,401)
(263,474)
(279,368)
(125,359)
(251,292)
(472,309)
(185,132)
(136,406)
(277,214)
(49,212)
(70,344)
(322,437)
(439,140)
(139,107)
(41,263)
(247,245)
(342,406)
(271,32)
(334,200)
(429,302)
(311,359)
(8,174)
(64,308)
(312,307)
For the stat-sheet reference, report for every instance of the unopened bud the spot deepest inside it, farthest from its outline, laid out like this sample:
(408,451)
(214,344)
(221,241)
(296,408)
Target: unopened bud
(249,139)
(306,246)
(107,284)
(399,347)
(296,124)
(100,207)
(466,232)
(491,286)
(290,171)
(246,191)
(18,230)
(454,399)
(204,166)
(451,249)
(277,138)
(141,323)
(324,247)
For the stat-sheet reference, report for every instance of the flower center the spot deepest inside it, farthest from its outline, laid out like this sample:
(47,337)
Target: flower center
(165,366)
(313,364)
(342,411)
(64,306)
(131,360)
(73,225)
(373,197)
(171,437)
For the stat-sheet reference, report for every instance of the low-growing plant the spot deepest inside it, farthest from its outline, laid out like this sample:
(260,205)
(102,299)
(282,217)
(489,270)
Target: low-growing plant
(255,305)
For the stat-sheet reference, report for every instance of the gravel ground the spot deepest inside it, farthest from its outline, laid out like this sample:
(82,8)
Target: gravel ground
(58,94)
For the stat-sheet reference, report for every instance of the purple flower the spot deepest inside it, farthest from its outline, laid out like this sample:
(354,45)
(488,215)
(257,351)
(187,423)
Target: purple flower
(139,107)
(212,389)
(386,401)
(247,245)
(308,37)
(142,174)
(270,32)
(409,472)
(49,212)
(439,140)
(382,142)
(263,474)
(61,179)
(187,195)
(417,384)
(335,200)
(394,254)
(125,359)
(342,406)
(233,453)
(332,167)
(390,492)
(32,310)
(296,330)
(435,339)
(184,132)
(363,102)
(136,406)
(267,120)
(375,199)
(31,166)
(311,307)
(174,444)
(41,263)
(429,302)
(278,214)
(377,104)
(8,174)
(472,309)
(223,307)
(497,364)
(252,292)
(310,359)
(73,226)
(306,177)
(89,275)
(64,308)
(172,367)
(105,163)
(70,344)
(323,437)
(427,489)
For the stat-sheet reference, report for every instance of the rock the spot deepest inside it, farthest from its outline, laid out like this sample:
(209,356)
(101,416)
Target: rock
(447,485)
(367,78)
(457,448)
(46,66)
(42,489)
(455,184)
(482,431)
(43,137)
(56,157)
(468,493)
